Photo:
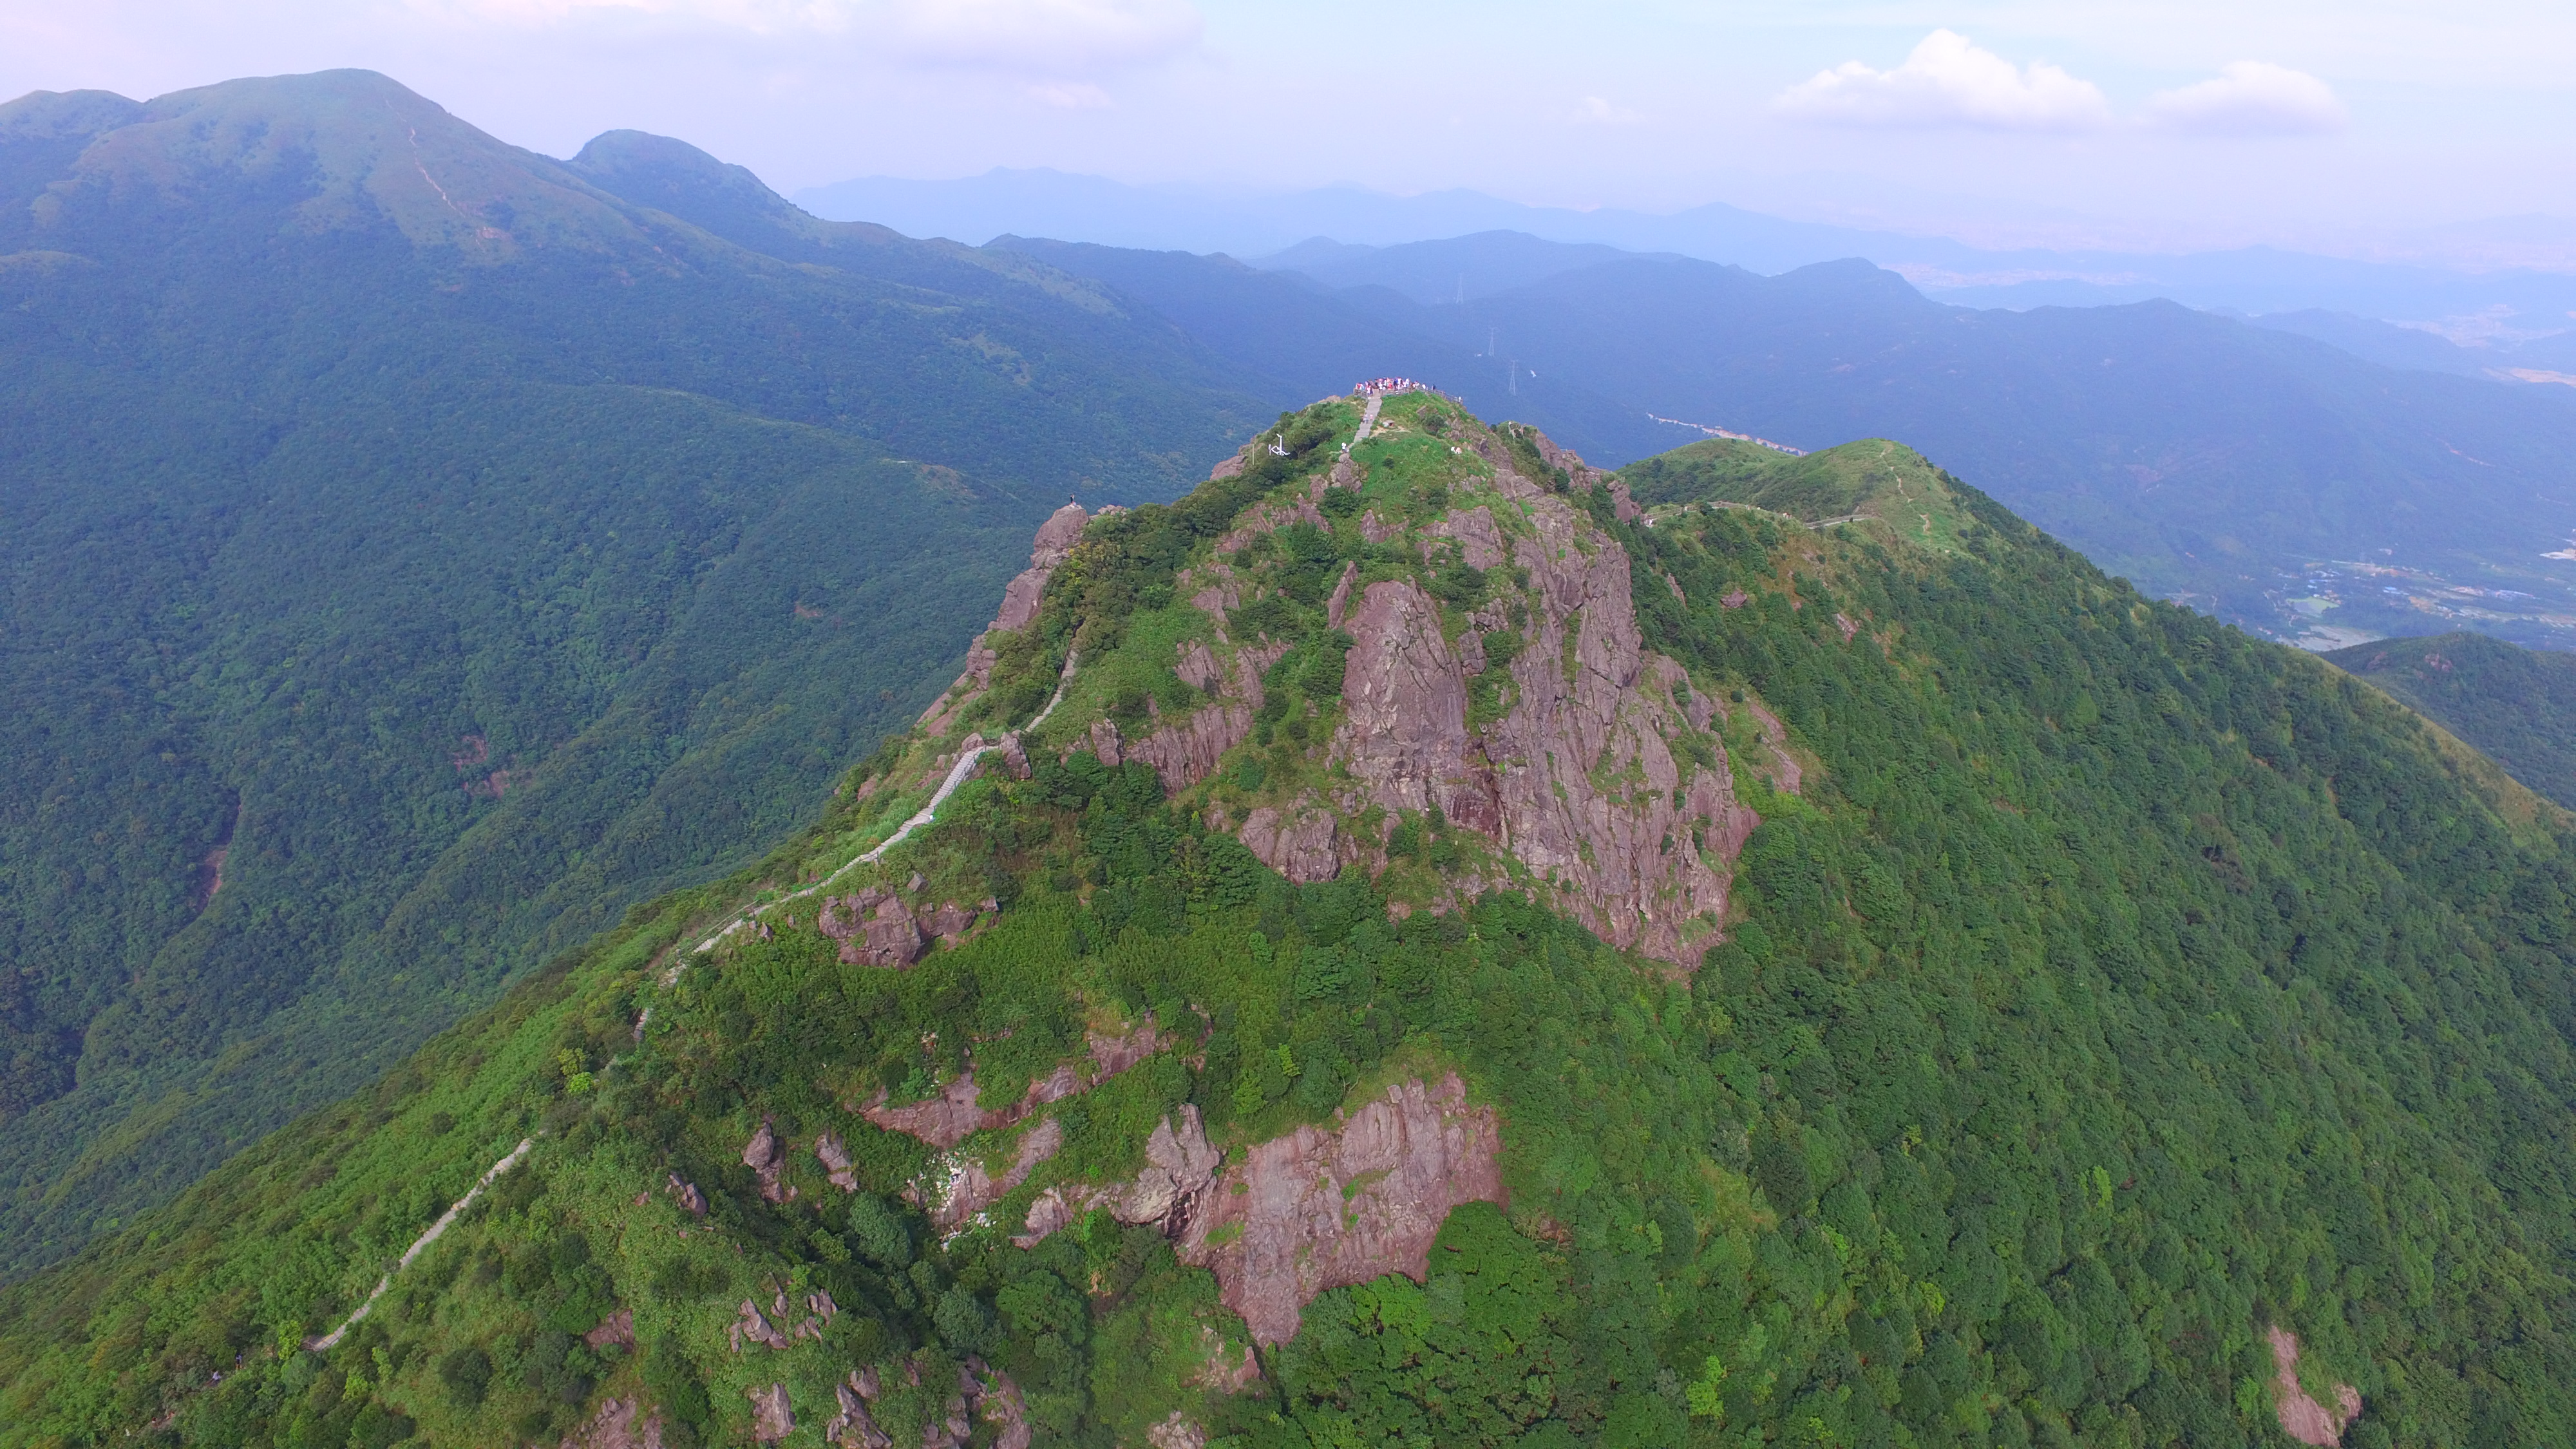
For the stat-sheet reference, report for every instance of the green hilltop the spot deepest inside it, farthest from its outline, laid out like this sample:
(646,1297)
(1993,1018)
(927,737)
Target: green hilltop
(1870,479)
(2513,703)
(2113,1031)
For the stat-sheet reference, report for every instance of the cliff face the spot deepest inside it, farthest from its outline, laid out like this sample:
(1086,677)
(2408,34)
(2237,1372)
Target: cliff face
(1324,1208)
(1577,779)
(1318,1208)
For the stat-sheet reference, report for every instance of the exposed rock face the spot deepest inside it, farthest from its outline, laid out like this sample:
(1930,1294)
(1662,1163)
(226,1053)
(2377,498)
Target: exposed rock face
(2302,1417)
(834,1154)
(1405,731)
(1578,780)
(686,1194)
(955,1114)
(766,1158)
(1311,1211)
(1324,1210)
(942,1121)
(1180,1167)
(854,1426)
(1785,773)
(752,1327)
(1055,540)
(876,928)
(1177,1431)
(1189,751)
(1480,543)
(1305,847)
(1340,603)
(771,1419)
(619,1424)
(617,1328)
(952,1431)
(995,1399)
(971,1187)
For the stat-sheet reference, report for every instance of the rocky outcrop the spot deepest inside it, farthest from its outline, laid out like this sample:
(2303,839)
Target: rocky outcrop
(991,1396)
(1180,1167)
(768,1161)
(971,1187)
(834,1154)
(752,1327)
(1314,1210)
(1579,779)
(2302,1417)
(771,1418)
(686,1194)
(1304,844)
(1340,603)
(1189,750)
(854,1426)
(956,1113)
(877,928)
(1786,776)
(1054,543)
(1404,733)
(617,1328)
(619,1424)
(1322,1209)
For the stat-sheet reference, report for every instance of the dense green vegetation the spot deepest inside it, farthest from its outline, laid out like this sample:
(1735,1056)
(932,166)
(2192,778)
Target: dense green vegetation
(2515,704)
(2117,988)
(465,552)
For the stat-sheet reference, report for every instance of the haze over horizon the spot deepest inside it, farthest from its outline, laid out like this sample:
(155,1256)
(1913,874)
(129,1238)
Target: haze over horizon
(2410,132)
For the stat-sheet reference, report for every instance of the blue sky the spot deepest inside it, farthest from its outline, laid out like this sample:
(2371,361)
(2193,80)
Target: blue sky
(2160,123)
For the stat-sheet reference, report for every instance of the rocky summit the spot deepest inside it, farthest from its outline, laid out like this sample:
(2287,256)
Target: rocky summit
(1423,941)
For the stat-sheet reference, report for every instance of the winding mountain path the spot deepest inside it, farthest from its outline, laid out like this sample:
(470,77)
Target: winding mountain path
(958,774)
(435,1231)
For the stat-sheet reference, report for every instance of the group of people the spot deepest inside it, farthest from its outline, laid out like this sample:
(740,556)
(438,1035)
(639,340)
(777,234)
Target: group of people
(1381,386)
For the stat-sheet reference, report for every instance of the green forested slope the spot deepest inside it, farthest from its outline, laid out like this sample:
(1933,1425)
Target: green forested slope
(2114,990)
(463,551)
(2518,705)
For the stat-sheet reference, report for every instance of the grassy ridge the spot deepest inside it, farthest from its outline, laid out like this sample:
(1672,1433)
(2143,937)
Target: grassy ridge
(2511,702)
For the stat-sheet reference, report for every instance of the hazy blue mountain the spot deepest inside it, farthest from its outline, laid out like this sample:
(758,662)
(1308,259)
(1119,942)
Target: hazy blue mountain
(2280,480)
(1257,224)
(414,550)
(1453,269)
(2381,342)
(1301,341)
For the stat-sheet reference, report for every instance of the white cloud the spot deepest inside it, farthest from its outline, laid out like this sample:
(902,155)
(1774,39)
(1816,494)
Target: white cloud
(1595,111)
(1949,81)
(2250,98)
(1025,37)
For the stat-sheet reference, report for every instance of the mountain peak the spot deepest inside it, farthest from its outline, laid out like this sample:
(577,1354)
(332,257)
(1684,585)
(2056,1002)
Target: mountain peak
(345,149)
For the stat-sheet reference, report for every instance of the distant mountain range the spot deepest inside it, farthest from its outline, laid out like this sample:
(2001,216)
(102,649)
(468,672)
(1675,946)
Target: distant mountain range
(2507,301)
(2285,482)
